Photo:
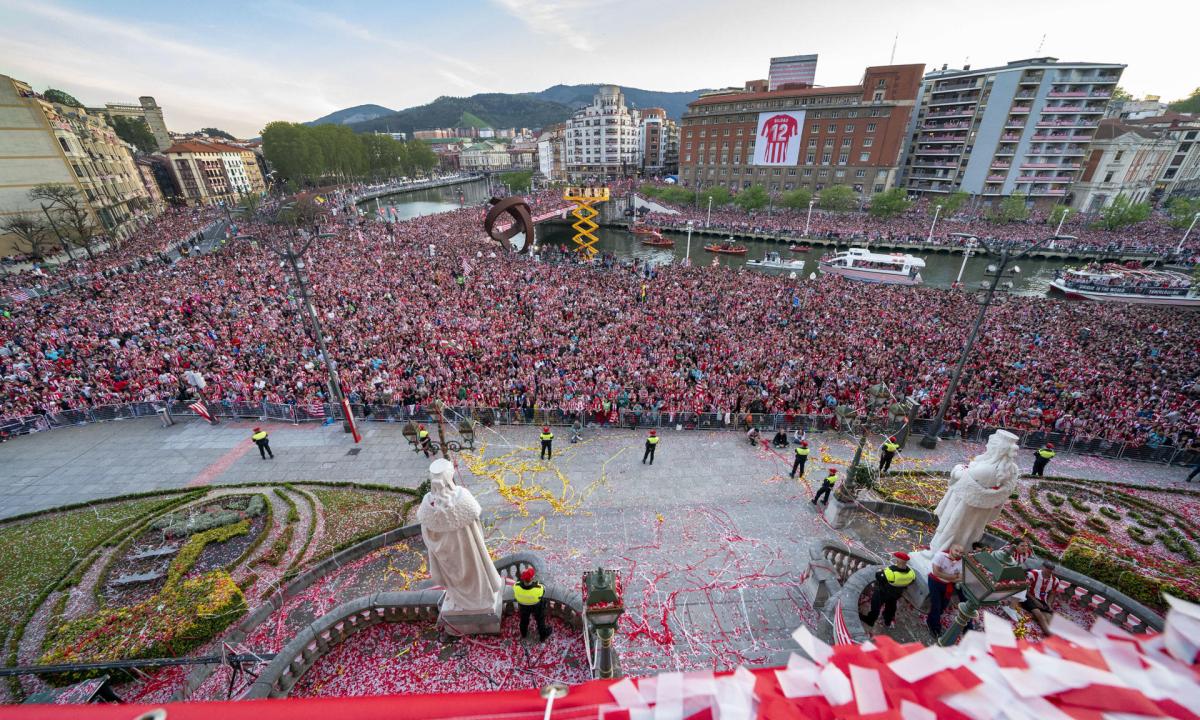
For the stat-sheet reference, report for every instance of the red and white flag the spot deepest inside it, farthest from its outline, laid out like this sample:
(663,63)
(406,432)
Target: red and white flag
(466,268)
(841,634)
(22,296)
(315,409)
(199,409)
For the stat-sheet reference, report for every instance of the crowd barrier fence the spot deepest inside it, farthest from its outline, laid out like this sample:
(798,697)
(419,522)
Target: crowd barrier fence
(625,418)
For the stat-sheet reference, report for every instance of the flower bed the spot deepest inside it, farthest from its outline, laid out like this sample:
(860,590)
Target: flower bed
(173,622)
(353,515)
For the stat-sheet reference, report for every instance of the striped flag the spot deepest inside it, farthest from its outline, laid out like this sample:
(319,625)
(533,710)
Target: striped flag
(466,268)
(841,634)
(20,296)
(315,409)
(199,409)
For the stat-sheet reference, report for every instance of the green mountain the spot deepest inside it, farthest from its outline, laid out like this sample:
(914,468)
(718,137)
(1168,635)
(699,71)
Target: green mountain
(576,96)
(498,110)
(358,113)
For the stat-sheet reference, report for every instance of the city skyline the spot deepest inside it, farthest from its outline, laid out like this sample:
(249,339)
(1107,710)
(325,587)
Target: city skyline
(238,67)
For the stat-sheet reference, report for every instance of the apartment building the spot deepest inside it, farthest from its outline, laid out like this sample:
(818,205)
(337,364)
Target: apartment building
(209,172)
(658,143)
(602,138)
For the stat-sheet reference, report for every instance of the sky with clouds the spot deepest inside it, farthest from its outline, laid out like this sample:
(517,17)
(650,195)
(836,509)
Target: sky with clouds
(238,65)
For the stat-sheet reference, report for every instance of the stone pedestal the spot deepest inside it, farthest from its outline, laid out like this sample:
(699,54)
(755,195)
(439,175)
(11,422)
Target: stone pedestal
(482,621)
(918,593)
(837,513)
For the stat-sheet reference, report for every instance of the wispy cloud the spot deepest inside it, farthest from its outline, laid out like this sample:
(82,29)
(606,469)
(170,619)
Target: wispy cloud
(559,19)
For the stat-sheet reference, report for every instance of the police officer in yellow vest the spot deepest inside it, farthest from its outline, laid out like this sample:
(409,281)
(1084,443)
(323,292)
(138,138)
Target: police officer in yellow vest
(890,584)
(423,442)
(1041,458)
(547,438)
(528,595)
(801,458)
(264,445)
(886,453)
(826,487)
(651,446)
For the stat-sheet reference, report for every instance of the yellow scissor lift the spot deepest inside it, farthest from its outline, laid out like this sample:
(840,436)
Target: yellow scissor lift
(585,227)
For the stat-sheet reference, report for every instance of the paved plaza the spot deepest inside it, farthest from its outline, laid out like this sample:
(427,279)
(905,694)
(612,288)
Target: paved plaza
(709,540)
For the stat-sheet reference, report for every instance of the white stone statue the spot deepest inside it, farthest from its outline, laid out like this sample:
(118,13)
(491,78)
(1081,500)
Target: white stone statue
(976,493)
(458,555)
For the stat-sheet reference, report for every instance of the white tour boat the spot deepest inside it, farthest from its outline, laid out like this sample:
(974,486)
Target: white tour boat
(1109,282)
(773,261)
(862,264)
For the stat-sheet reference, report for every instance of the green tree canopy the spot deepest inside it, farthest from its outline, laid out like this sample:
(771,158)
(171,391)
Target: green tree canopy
(517,181)
(1057,213)
(1011,209)
(1122,212)
(1120,94)
(60,97)
(952,202)
(797,199)
(752,198)
(302,152)
(217,132)
(889,203)
(136,132)
(1182,210)
(837,198)
(1190,104)
(719,195)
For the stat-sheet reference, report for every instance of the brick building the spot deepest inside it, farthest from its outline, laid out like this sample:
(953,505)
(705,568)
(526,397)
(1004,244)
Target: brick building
(848,135)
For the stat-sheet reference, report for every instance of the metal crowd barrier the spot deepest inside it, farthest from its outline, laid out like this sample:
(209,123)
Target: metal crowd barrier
(625,417)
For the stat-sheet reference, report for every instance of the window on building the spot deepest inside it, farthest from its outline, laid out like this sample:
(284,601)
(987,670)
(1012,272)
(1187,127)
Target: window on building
(807,172)
(840,173)
(812,143)
(882,83)
(825,158)
(829,144)
(775,172)
(845,142)
(864,157)
(860,173)
(835,114)
(843,158)
(1117,157)
(809,158)
(868,142)
(1108,177)
(870,127)
(849,128)
(687,157)
(878,97)
(832,127)
(880,173)
(823,174)
(879,187)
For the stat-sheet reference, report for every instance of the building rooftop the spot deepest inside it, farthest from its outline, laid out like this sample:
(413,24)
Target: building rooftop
(1111,128)
(1016,64)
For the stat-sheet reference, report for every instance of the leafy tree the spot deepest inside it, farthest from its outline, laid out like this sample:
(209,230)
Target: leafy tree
(720,196)
(250,204)
(60,97)
(517,181)
(289,149)
(1057,213)
(1182,210)
(1120,94)
(677,195)
(1190,104)
(217,133)
(752,198)
(421,157)
(71,214)
(1011,209)
(136,132)
(952,202)
(33,238)
(837,198)
(889,203)
(1123,211)
(797,199)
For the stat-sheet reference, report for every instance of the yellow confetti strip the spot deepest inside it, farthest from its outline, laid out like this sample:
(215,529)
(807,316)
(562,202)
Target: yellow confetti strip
(515,480)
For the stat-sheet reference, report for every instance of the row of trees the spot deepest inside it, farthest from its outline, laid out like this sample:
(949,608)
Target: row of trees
(320,153)
(66,221)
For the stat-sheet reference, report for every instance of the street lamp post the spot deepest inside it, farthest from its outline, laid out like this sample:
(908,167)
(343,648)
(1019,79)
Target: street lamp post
(708,217)
(937,210)
(688,255)
(1061,220)
(296,261)
(67,247)
(1187,232)
(966,254)
(931,438)
(808,219)
(989,578)
(603,607)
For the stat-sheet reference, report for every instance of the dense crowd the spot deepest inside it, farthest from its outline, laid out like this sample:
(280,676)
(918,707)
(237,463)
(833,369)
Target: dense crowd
(1153,236)
(470,324)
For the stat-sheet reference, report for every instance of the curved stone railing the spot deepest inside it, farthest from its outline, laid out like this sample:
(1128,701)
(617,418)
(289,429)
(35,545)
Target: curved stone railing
(830,563)
(336,626)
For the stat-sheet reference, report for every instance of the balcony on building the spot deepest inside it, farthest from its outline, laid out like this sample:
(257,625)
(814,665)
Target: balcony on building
(966,112)
(1020,109)
(937,102)
(1068,93)
(943,139)
(955,87)
(996,178)
(1000,165)
(1014,125)
(930,151)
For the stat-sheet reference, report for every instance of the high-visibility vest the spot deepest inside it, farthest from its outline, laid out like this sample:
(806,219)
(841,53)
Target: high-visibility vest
(528,595)
(890,447)
(547,437)
(831,480)
(260,435)
(899,578)
(652,441)
(423,434)
(802,452)
(1045,454)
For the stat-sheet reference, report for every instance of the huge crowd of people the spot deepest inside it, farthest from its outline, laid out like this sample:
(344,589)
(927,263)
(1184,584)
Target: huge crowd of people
(466,322)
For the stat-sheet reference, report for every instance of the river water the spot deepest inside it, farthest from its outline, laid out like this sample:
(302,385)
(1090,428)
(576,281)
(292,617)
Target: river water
(940,269)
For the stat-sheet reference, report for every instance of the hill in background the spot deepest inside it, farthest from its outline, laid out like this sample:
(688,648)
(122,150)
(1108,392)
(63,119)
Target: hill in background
(576,96)
(358,113)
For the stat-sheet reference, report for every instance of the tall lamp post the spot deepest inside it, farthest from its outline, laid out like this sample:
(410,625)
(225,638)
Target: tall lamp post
(602,609)
(808,219)
(1061,220)
(937,210)
(989,578)
(708,217)
(295,260)
(688,255)
(998,272)
(1187,232)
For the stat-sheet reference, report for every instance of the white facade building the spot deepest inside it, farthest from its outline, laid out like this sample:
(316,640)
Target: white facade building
(1122,160)
(602,138)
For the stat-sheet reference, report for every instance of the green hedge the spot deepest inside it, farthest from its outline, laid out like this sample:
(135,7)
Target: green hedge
(191,550)
(169,624)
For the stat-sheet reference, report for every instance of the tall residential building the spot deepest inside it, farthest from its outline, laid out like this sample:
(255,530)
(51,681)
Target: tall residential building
(801,138)
(1024,127)
(793,71)
(209,172)
(1123,160)
(551,153)
(658,143)
(602,138)
(147,110)
(44,142)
